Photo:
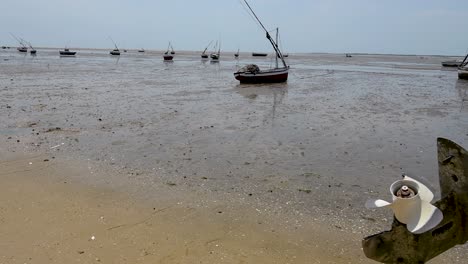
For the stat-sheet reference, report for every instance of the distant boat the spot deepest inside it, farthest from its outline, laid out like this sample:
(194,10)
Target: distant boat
(348,55)
(236,54)
(451,63)
(33,51)
(4,47)
(141,50)
(67,53)
(463,69)
(252,73)
(116,51)
(23,47)
(204,55)
(285,55)
(168,55)
(216,54)
(257,54)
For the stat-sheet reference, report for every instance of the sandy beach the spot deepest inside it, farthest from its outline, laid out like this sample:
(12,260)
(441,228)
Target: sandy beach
(133,160)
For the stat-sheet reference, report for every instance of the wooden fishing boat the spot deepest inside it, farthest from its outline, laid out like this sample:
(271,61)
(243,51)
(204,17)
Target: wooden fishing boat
(463,69)
(116,51)
(252,73)
(258,54)
(216,54)
(451,63)
(23,44)
(67,53)
(204,55)
(169,55)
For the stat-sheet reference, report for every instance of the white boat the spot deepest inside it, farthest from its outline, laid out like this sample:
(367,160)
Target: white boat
(216,54)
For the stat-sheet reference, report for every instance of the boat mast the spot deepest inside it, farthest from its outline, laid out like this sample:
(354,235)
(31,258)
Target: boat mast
(275,46)
(276,57)
(114,43)
(464,60)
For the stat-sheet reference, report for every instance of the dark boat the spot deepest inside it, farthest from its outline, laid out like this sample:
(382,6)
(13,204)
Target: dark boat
(67,53)
(463,69)
(451,63)
(236,55)
(141,50)
(348,55)
(168,55)
(115,52)
(204,55)
(252,73)
(257,54)
(33,51)
(22,49)
(4,47)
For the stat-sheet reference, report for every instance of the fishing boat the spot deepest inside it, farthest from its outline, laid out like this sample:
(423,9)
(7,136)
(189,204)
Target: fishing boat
(252,73)
(168,55)
(236,55)
(141,50)
(258,54)
(216,54)
(204,55)
(116,51)
(67,53)
(348,55)
(451,63)
(22,47)
(463,69)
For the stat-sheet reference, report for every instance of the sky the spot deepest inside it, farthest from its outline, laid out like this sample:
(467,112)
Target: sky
(422,27)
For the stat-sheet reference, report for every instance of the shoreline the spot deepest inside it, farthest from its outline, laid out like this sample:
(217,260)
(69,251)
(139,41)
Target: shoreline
(48,217)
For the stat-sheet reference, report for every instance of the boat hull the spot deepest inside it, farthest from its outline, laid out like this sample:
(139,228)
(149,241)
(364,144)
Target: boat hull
(67,53)
(451,63)
(115,53)
(270,76)
(463,73)
(256,54)
(22,49)
(168,57)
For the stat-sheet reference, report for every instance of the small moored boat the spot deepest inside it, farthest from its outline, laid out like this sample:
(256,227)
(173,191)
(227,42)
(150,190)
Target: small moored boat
(217,53)
(67,53)
(257,54)
(204,55)
(451,63)
(252,73)
(463,69)
(116,51)
(169,55)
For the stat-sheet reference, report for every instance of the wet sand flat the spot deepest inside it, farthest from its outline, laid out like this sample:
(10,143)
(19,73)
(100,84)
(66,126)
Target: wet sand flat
(302,156)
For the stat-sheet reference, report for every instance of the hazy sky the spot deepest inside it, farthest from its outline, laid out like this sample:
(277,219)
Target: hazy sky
(341,26)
